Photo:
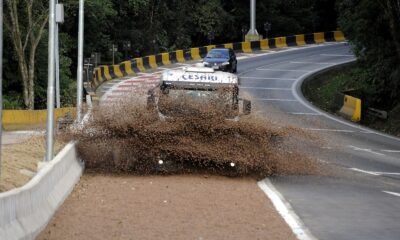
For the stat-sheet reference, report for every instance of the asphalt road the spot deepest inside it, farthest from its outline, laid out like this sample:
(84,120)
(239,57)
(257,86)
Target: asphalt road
(361,201)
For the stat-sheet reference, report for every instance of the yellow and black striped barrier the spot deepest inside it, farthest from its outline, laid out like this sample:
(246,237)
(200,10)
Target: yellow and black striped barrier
(133,66)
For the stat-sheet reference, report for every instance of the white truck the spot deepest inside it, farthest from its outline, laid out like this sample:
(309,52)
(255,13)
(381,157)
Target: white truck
(198,86)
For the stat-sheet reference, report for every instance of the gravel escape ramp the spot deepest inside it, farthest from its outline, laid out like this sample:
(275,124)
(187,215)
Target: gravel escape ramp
(123,195)
(166,207)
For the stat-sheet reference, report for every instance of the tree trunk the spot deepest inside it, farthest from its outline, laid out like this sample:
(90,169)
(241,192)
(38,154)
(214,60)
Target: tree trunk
(25,41)
(31,81)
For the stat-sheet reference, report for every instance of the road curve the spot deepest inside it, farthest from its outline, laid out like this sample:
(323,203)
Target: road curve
(363,200)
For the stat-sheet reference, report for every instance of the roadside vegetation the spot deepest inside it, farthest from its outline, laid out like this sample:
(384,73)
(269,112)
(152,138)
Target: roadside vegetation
(374,33)
(323,91)
(137,28)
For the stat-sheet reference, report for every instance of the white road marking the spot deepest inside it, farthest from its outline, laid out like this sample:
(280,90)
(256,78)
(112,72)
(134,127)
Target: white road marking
(285,210)
(318,63)
(329,130)
(337,55)
(390,151)
(375,173)
(281,70)
(388,173)
(264,88)
(365,150)
(300,113)
(265,78)
(242,57)
(392,193)
(276,99)
(364,171)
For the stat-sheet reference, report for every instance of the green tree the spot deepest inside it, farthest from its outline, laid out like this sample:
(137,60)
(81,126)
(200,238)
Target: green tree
(25,21)
(372,29)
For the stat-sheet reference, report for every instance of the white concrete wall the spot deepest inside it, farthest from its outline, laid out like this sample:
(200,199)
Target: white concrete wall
(25,211)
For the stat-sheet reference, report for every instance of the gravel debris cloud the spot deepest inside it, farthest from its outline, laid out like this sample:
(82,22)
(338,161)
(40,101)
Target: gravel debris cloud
(127,137)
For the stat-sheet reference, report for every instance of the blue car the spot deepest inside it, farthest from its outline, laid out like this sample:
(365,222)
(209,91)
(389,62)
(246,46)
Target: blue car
(223,59)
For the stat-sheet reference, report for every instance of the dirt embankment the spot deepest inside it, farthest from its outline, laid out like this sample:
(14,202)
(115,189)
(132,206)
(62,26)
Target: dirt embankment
(20,160)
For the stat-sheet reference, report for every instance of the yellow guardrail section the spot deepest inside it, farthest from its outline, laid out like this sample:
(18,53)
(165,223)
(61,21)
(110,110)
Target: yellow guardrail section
(117,71)
(153,61)
(319,37)
(195,53)
(14,119)
(165,58)
(128,68)
(264,44)
(107,73)
(228,45)
(339,36)
(209,47)
(139,64)
(351,108)
(180,56)
(300,40)
(280,42)
(246,47)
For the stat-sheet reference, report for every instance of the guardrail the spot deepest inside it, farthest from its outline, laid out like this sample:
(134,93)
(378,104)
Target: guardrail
(351,108)
(25,211)
(131,67)
(15,119)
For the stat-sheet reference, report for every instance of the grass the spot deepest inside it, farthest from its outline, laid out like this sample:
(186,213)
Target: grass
(322,91)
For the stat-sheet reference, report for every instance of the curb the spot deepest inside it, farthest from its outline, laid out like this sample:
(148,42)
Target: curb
(25,211)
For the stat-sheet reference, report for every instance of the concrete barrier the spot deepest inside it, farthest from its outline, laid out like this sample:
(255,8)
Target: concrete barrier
(351,108)
(106,73)
(25,211)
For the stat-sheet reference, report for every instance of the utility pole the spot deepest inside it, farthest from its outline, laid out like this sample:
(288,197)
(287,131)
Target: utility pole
(50,85)
(1,77)
(59,20)
(79,94)
(252,35)
(252,17)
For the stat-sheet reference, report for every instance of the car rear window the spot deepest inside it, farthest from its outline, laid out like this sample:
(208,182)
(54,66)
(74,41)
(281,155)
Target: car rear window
(218,54)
